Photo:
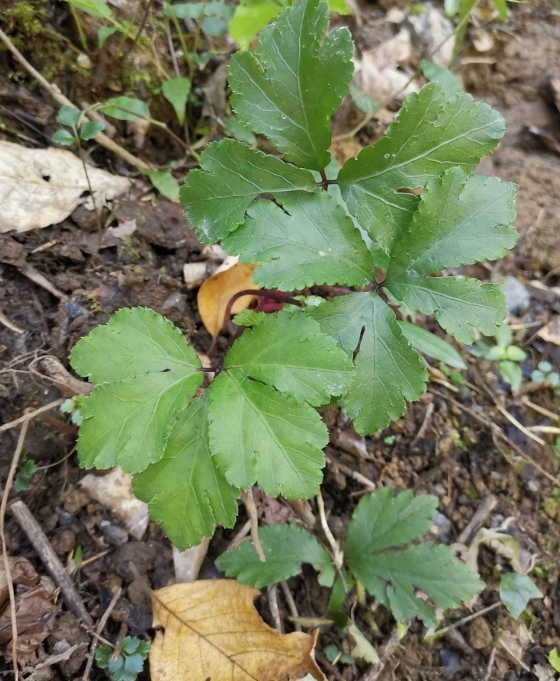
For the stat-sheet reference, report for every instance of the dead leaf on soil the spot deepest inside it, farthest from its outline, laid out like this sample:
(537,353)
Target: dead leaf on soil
(36,608)
(213,631)
(114,491)
(41,187)
(551,332)
(214,295)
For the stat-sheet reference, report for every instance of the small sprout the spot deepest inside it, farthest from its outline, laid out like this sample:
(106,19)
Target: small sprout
(72,406)
(506,355)
(26,472)
(126,662)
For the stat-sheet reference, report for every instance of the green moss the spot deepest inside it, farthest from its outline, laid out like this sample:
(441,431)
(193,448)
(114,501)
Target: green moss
(24,20)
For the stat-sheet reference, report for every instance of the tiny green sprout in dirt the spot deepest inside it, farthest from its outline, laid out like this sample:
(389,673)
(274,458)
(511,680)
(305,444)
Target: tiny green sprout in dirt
(80,129)
(126,662)
(545,374)
(367,236)
(505,354)
(25,473)
(72,406)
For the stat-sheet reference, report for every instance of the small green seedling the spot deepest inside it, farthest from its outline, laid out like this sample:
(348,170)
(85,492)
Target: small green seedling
(80,128)
(545,374)
(127,661)
(72,406)
(505,354)
(25,473)
(365,228)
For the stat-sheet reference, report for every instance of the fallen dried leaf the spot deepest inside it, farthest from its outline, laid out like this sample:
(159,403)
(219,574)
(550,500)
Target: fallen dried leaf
(551,332)
(36,608)
(55,179)
(213,631)
(216,292)
(114,491)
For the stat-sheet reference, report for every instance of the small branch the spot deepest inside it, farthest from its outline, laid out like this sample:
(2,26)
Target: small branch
(45,551)
(338,557)
(31,415)
(57,95)
(486,506)
(272,594)
(249,502)
(292,607)
(98,631)
(465,620)
(263,293)
(11,325)
(3,505)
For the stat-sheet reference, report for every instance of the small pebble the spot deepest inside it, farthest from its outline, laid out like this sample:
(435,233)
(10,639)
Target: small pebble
(450,661)
(114,534)
(518,298)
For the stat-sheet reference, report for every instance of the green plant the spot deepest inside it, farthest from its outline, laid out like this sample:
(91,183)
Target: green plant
(545,374)
(251,16)
(25,473)
(506,355)
(127,661)
(554,660)
(378,552)
(257,422)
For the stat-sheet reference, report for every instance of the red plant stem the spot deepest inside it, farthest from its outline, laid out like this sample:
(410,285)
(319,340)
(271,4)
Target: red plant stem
(264,293)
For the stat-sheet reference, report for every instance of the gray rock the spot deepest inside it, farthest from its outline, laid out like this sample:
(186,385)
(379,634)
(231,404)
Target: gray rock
(450,661)
(444,527)
(518,298)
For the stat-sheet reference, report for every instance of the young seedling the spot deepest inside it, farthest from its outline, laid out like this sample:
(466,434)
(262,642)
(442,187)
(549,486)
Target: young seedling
(505,354)
(126,662)
(409,205)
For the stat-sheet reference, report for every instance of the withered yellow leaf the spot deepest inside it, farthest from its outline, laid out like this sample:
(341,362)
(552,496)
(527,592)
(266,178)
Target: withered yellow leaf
(211,630)
(216,292)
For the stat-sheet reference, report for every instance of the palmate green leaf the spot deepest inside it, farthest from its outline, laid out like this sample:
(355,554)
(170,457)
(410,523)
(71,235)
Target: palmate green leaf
(144,371)
(260,434)
(459,305)
(231,177)
(186,493)
(289,89)
(285,547)
(374,551)
(388,370)
(288,351)
(306,240)
(433,132)
(460,220)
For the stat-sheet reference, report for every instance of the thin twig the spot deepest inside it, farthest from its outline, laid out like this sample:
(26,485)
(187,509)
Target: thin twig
(490,665)
(540,410)
(45,551)
(31,415)
(3,505)
(272,593)
(292,607)
(249,502)
(98,631)
(57,95)
(338,557)
(11,325)
(465,620)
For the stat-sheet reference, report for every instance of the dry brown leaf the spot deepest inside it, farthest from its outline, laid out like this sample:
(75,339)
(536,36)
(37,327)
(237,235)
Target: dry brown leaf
(214,295)
(36,608)
(41,187)
(212,631)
